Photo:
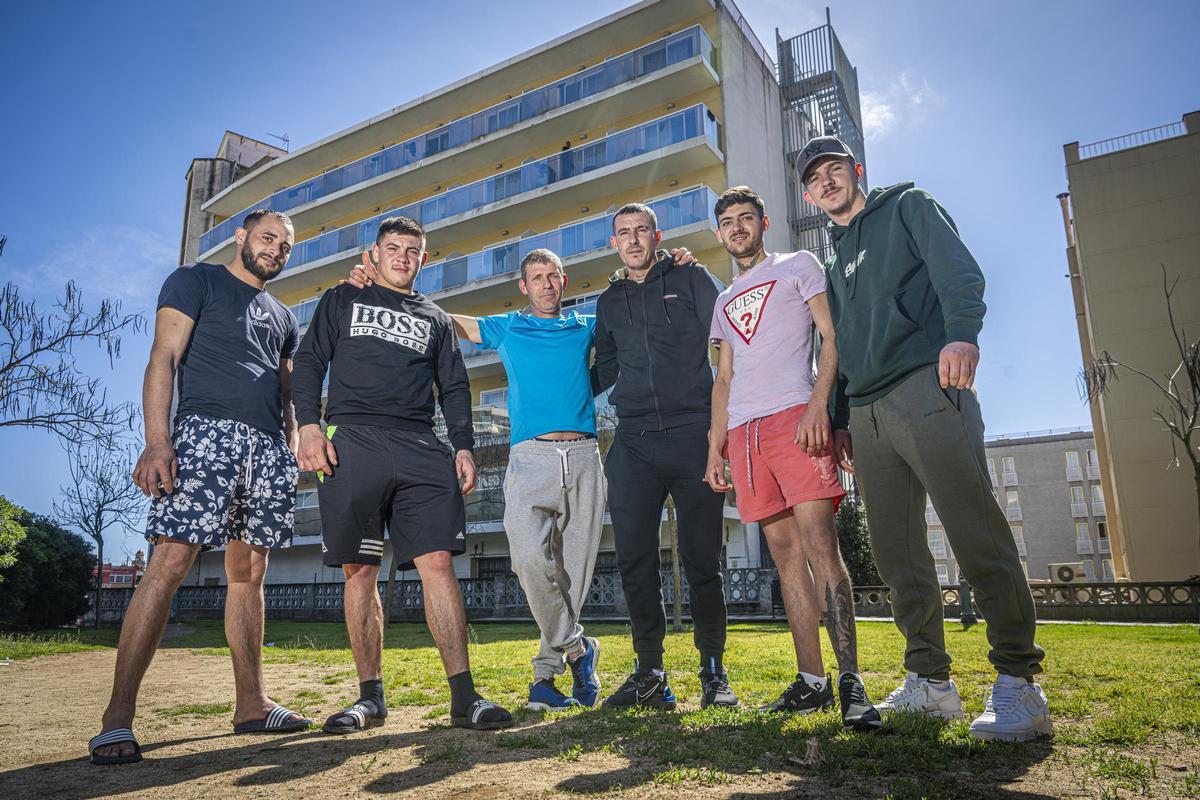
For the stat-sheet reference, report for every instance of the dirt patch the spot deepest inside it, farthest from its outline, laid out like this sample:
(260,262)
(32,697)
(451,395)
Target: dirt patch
(190,752)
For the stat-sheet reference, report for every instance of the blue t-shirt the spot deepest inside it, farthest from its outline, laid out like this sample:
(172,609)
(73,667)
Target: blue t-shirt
(547,364)
(230,368)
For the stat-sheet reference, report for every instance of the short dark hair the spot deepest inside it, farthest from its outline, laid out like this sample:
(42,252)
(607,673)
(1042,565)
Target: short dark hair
(541,256)
(735,195)
(251,219)
(403,226)
(635,208)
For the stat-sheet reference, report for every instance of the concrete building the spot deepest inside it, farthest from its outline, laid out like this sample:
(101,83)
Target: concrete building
(1049,486)
(666,101)
(1132,210)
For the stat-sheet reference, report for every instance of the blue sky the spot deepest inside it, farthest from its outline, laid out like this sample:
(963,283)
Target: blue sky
(105,105)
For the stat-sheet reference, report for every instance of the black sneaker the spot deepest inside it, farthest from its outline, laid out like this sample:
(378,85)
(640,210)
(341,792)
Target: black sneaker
(715,690)
(857,711)
(643,688)
(803,698)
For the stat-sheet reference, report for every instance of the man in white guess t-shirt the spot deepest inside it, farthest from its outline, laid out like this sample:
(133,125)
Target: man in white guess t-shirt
(770,418)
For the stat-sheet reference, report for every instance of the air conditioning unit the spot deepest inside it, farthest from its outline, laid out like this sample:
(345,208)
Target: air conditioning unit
(1072,572)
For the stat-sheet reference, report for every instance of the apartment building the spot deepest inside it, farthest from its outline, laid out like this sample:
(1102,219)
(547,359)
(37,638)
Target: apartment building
(1132,211)
(1048,484)
(666,101)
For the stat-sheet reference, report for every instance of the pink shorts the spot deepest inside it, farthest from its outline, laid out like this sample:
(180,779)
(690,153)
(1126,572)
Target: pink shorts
(771,473)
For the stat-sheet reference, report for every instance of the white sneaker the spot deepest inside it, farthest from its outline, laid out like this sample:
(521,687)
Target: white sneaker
(921,696)
(1014,710)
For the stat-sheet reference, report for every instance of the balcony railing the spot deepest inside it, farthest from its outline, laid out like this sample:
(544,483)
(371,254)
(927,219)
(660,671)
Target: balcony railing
(1084,547)
(1013,513)
(1079,509)
(645,60)
(1148,136)
(1093,472)
(686,208)
(1103,546)
(995,480)
(931,517)
(1021,549)
(1010,479)
(1074,473)
(1097,507)
(696,122)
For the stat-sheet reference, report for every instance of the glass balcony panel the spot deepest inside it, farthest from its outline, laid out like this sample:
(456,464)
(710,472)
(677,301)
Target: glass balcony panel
(646,60)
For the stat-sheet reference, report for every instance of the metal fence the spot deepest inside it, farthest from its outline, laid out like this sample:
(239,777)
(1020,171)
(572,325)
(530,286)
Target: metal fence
(751,593)
(1148,136)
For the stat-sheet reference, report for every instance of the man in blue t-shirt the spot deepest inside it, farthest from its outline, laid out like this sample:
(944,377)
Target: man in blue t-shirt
(554,511)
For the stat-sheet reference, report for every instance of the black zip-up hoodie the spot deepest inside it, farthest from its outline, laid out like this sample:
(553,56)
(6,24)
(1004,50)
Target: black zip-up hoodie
(652,345)
(385,352)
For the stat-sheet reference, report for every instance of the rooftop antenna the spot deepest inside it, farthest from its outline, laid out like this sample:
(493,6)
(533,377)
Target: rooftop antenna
(287,143)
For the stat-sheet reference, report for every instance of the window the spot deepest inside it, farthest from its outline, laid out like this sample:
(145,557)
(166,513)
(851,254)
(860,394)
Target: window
(1093,459)
(1076,494)
(494,397)
(1097,494)
(1089,570)
(943,573)
(1074,471)
(1081,532)
(1019,537)
(937,543)
(992,469)
(493,567)
(1013,500)
(1025,567)
(1107,567)
(1009,465)
(1072,458)
(1102,530)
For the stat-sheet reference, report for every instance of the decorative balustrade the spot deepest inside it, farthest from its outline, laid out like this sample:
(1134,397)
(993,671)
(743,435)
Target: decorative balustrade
(751,592)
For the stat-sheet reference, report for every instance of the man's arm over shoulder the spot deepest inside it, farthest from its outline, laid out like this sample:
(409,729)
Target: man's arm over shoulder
(454,389)
(705,290)
(604,368)
(313,356)
(953,271)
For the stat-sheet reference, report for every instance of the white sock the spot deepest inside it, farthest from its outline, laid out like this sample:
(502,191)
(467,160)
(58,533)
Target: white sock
(658,672)
(815,681)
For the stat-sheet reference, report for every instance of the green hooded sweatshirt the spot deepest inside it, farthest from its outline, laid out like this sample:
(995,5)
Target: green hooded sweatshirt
(901,285)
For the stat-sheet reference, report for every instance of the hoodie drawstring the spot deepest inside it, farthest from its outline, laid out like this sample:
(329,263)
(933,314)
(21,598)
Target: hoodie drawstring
(666,313)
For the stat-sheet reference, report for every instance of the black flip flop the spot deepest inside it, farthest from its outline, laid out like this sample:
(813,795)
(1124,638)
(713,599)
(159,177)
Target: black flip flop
(115,736)
(276,721)
(358,717)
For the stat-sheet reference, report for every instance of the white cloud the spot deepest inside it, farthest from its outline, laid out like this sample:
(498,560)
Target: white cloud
(125,263)
(902,103)
(878,115)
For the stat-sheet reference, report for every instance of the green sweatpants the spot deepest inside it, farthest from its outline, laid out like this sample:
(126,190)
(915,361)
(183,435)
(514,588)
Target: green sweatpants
(921,438)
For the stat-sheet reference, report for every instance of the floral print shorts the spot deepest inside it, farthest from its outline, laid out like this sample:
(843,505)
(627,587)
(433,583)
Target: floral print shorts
(235,482)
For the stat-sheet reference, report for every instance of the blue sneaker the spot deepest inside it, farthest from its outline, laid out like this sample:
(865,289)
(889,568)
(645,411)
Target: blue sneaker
(584,670)
(545,696)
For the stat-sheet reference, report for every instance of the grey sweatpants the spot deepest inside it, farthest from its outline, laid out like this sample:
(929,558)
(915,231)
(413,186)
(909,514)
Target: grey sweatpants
(554,494)
(918,438)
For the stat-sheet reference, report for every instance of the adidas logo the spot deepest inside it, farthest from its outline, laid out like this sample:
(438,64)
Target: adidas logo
(460,536)
(260,317)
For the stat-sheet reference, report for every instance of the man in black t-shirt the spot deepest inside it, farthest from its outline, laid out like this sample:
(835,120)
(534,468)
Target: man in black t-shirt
(225,475)
(386,348)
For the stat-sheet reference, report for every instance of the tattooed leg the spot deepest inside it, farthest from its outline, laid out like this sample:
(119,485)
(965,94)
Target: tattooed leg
(833,581)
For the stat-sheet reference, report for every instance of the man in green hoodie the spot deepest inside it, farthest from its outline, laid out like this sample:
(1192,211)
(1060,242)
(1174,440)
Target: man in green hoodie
(906,298)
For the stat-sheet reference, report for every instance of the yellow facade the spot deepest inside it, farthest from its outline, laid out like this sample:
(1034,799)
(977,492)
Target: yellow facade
(1136,209)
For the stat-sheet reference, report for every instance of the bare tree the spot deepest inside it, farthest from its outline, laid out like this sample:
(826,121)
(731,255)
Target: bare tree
(1180,390)
(101,494)
(40,384)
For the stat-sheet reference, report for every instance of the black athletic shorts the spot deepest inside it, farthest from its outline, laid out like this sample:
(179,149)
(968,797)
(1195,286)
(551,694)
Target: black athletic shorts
(400,480)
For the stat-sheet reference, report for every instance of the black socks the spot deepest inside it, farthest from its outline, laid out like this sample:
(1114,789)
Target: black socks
(372,692)
(462,693)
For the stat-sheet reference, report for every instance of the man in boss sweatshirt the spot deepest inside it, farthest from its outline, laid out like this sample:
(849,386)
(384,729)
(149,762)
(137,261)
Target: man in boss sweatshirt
(386,348)
(652,349)
(906,298)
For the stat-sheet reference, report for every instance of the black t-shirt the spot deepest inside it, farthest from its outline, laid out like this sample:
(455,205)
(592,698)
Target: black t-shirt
(230,368)
(386,352)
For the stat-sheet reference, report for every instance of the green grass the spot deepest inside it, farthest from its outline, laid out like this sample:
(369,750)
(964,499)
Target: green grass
(1121,698)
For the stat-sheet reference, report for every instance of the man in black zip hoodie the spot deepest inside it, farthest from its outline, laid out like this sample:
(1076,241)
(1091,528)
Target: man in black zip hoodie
(652,349)
(906,298)
(380,465)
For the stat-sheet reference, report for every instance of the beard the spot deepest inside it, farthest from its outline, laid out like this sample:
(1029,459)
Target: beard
(749,247)
(250,262)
